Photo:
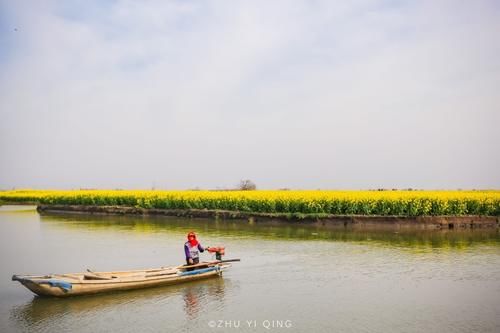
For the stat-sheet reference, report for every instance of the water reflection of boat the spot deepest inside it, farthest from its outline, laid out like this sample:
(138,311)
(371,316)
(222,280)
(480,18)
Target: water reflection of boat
(41,312)
(62,285)
(197,296)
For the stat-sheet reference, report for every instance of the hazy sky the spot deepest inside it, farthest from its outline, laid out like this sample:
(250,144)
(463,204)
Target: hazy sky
(297,94)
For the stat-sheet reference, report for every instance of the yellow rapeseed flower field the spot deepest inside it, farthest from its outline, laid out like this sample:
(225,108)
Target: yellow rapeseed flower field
(402,203)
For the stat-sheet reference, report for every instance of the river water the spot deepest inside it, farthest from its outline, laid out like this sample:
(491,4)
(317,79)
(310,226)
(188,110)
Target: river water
(291,278)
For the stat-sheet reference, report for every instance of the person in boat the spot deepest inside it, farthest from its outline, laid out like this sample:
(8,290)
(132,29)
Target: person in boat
(192,249)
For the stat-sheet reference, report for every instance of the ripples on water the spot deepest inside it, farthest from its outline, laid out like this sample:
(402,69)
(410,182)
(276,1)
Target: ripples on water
(322,279)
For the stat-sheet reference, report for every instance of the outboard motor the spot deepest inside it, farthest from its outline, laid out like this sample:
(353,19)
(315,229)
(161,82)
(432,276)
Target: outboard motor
(219,251)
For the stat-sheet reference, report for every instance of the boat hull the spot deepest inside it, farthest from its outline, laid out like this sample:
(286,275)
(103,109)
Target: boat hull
(41,285)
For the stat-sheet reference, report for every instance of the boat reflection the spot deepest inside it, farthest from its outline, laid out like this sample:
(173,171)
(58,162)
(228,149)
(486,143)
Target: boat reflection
(196,297)
(42,313)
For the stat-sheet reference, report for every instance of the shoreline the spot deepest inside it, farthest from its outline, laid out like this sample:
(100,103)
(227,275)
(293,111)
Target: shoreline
(425,222)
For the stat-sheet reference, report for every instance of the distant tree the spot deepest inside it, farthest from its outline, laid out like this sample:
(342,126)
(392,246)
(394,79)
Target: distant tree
(247,185)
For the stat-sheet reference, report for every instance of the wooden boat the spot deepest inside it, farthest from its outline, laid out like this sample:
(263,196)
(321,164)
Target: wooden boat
(63,285)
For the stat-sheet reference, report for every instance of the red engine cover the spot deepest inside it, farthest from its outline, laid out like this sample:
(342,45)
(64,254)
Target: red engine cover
(220,249)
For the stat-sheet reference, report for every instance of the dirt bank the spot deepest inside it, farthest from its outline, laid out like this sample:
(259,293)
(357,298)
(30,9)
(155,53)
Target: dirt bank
(427,222)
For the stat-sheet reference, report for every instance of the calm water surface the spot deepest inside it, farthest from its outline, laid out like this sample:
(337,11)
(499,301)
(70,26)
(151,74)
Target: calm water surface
(290,279)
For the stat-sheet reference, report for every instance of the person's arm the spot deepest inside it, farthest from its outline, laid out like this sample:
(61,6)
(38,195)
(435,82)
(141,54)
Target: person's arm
(201,248)
(186,251)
